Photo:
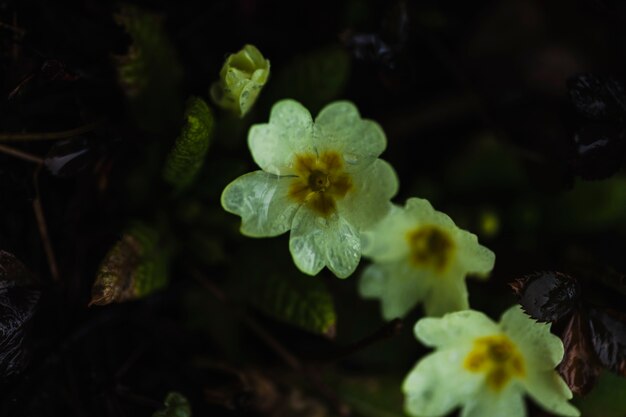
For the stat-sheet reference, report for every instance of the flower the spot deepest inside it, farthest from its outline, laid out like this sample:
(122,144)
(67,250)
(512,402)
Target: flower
(486,367)
(420,255)
(242,77)
(322,180)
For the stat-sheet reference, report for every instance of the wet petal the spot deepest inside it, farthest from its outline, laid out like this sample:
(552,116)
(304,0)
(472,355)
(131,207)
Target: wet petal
(398,287)
(262,201)
(343,247)
(509,403)
(455,328)
(550,392)
(542,349)
(437,384)
(339,127)
(289,132)
(368,201)
(307,241)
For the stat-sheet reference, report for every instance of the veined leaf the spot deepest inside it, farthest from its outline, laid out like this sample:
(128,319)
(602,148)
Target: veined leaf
(187,156)
(298,300)
(176,405)
(134,267)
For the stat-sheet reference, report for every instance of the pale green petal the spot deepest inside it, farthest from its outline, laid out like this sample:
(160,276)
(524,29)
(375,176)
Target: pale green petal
(386,242)
(507,403)
(316,242)
(438,384)
(307,241)
(551,393)
(398,286)
(448,294)
(475,258)
(339,127)
(541,349)
(262,201)
(368,202)
(454,329)
(343,247)
(422,212)
(288,133)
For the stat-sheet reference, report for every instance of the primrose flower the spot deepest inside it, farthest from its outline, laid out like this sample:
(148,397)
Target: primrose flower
(486,367)
(242,77)
(322,180)
(420,255)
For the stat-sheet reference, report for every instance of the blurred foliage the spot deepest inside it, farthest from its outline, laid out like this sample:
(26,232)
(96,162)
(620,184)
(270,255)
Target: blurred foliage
(176,405)
(607,398)
(371,396)
(136,266)
(187,157)
(150,73)
(314,78)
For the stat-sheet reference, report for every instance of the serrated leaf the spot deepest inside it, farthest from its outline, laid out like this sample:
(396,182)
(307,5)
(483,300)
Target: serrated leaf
(188,154)
(19,298)
(298,300)
(176,405)
(150,73)
(547,296)
(314,79)
(134,267)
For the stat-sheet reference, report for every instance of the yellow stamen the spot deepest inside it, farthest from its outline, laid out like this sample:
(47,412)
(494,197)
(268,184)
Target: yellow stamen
(496,357)
(430,246)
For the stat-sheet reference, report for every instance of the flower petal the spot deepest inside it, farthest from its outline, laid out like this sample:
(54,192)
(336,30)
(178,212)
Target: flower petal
(343,247)
(386,241)
(475,258)
(368,201)
(550,392)
(448,295)
(398,287)
(274,145)
(541,349)
(422,212)
(262,201)
(438,384)
(455,328)
(509,402)
(307,241)
(339,127)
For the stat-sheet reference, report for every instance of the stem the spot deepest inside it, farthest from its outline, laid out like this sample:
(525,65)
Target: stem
(25,137)
(21,155)
(43,228)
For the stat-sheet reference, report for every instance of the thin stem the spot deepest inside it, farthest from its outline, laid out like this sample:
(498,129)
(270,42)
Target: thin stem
(389,329)
(21,155)
(25,137)
(43,229)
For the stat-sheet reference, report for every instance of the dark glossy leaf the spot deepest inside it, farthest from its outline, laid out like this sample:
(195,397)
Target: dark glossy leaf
(580,366)
(547,296)
(176,405)
(597,99)
(608,334)
(599,150)
(18,301)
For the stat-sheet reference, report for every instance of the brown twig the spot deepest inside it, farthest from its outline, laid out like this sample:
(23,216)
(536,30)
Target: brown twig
(43,228)
(21,155)
(23,137)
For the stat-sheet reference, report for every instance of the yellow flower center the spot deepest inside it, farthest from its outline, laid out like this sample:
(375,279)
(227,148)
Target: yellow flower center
(496,357)
(320,182)
(430,246)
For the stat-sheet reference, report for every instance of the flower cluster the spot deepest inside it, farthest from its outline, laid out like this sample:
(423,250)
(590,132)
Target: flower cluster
(322,181)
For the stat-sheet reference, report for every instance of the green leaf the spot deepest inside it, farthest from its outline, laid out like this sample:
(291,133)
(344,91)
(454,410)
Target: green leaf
(379,396)
(314,78)
(150,73)
(176,405)
(298,300)
(607,398)
(188,154)
(134,267)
